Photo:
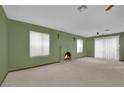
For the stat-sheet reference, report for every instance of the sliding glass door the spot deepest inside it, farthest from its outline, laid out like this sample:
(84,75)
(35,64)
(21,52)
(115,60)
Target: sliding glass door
(107,47)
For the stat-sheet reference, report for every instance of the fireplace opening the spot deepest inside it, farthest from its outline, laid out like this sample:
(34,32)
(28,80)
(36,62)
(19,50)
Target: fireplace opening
(67,56)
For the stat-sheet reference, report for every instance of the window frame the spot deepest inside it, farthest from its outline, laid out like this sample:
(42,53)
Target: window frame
(77,46)
(30,45)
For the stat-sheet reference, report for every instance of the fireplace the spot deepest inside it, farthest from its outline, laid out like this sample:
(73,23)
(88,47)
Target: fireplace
(67,56)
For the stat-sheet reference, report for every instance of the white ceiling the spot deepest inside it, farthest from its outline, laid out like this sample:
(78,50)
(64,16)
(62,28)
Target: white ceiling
(68,19)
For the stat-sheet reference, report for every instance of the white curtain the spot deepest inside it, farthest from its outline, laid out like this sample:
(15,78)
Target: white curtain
(107,47)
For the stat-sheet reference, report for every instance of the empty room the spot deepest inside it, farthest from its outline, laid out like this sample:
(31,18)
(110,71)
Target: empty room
(62,45)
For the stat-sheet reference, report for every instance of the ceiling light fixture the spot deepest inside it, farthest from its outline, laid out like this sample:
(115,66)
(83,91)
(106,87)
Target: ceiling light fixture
(107,29)
(82,8)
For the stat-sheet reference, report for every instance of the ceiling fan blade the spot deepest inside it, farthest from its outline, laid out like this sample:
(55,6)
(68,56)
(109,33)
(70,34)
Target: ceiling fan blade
(109,7)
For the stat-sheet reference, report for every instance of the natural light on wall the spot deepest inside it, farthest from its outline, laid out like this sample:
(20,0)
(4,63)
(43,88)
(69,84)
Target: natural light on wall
(107,47)
(79,46)
(39,44)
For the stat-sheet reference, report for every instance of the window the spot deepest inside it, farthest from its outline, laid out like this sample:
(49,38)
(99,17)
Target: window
(79,46)
(39,44)
(107,47)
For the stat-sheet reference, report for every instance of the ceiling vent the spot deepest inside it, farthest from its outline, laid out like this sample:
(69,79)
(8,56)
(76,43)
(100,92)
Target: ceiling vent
(82,8)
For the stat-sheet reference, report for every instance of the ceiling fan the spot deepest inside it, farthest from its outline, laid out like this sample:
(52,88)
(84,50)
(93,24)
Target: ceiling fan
(109,7)
(84,7)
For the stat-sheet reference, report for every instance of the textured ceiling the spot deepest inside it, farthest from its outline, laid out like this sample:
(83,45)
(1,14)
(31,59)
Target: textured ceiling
(68,19)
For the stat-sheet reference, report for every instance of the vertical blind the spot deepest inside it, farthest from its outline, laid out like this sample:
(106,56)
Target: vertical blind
(107,47)
(79,46)
(39,44)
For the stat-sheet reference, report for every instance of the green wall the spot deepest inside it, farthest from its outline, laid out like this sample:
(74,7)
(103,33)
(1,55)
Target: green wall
(19,45)
(90,45)
(3,45)
(122,46)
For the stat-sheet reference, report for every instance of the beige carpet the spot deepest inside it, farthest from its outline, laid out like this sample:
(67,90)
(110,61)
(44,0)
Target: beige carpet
(82,72)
